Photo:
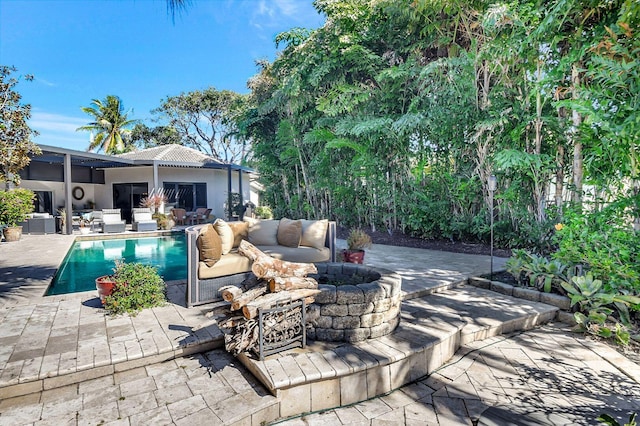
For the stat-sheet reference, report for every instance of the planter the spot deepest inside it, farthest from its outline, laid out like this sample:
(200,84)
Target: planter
(12,233)
(353,256)
(105,285)
(85,230)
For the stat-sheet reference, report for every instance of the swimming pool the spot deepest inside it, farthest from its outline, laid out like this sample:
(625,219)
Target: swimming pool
(88,260)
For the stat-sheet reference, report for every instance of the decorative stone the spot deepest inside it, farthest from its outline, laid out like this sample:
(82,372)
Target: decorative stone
(526,294)
(327,294)
(323,321)
(334,310)
(370,320)
(382,305)
(329,334)
(372,291)
(380,330)
(347,294)
(501,288)
(357,335)
(360,308)
(557,300)
(340,323)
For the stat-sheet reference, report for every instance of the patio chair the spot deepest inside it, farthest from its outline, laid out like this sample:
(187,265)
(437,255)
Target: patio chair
(95,219)
(143,220)
(200,215)
(112,221)
(179,216)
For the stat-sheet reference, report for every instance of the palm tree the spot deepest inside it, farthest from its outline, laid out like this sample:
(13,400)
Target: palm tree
(111,125)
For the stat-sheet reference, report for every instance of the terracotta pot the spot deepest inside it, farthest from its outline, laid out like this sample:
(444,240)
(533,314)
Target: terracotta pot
(353,256)
(13,233)
(105,286)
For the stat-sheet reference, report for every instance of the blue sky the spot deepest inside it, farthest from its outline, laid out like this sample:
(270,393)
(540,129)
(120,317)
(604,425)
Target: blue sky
(79,50)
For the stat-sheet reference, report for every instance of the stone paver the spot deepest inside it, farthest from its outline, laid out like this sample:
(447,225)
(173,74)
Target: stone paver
(577,383)
(546,369)
(157,394)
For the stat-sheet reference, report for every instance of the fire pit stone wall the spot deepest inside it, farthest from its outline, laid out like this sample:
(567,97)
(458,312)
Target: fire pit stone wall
(356,302)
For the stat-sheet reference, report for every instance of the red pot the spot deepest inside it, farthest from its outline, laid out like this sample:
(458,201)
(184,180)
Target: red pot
(353,256)
(105,285)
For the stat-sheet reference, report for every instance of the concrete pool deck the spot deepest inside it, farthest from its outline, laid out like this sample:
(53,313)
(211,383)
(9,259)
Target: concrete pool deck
(162,366)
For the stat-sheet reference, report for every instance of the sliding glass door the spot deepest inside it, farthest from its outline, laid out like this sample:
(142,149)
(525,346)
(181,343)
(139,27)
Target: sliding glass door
(188,196)
(127,196)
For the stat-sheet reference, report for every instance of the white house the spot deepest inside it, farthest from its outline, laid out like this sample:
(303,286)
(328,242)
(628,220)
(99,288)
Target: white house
(189,178)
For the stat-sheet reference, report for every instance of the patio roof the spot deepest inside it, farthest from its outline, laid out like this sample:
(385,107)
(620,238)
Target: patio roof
(162,156)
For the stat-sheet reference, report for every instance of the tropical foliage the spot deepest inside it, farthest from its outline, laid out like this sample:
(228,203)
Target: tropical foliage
(393,115)
(111,125)
(15,134)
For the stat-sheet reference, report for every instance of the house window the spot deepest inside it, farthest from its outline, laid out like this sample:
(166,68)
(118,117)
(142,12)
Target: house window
(43,202)
(188,196)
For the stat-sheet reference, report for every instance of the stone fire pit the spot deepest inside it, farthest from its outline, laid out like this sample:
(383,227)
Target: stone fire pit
(356,302)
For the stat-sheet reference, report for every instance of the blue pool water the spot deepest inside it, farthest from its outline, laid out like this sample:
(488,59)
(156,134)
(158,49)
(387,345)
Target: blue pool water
(88,260)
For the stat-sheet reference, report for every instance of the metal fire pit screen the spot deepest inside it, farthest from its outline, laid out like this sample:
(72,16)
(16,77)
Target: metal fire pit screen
(281,328)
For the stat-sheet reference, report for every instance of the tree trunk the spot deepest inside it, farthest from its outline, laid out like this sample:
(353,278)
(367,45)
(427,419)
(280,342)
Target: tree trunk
(230,292)
(578,167)
(277,284)
(265,266)
(248,296)
(251,309)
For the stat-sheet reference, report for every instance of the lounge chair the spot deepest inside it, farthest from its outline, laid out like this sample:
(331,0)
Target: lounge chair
(112,221)
(143,220)
(179,216)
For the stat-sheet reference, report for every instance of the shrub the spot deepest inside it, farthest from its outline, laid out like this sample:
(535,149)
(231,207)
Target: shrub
(263,212)
(137,287)
(15,205)
(605,243)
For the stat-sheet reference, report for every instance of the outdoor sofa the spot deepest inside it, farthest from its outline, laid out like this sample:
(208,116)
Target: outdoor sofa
(39,223)
(308,241)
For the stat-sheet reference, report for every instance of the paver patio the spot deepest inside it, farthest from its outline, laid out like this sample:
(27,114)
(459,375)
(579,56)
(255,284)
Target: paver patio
(152,370)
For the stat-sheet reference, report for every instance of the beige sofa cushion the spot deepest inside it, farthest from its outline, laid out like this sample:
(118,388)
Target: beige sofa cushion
(264,232)
(226,235)
(289,232)
(314,233)
(299,254)
(229,264)
(240,232)
(209,245)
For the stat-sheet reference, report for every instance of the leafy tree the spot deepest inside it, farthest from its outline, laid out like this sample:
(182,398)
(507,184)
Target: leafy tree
(15,134)
(111,124)
(208,121)
(147,137)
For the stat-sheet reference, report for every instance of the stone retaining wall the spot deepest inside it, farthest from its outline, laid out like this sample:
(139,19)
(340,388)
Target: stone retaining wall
(355,303)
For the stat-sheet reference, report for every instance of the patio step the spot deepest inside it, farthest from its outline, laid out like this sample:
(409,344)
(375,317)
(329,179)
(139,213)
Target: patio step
(328,375)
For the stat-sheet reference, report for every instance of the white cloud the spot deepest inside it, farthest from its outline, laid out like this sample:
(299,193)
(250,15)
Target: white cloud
(55,122)
(59,130)
(272,13)
(45,82)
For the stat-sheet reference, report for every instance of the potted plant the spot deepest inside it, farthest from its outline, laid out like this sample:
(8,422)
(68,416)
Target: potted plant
(84,229)
(15,205)
(357,242)
(132,287)
(155,200)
